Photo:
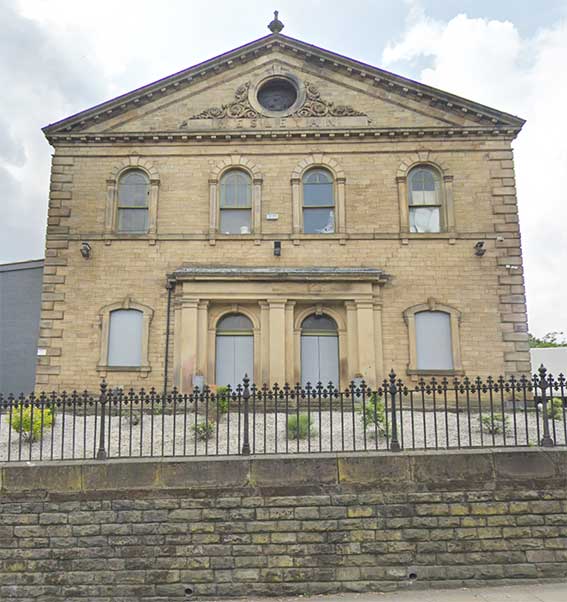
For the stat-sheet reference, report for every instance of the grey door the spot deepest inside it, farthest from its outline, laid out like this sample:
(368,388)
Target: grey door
(235,359)
(234,350)
(320,359)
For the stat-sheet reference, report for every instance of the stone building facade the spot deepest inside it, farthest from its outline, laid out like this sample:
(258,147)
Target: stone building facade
(287,212)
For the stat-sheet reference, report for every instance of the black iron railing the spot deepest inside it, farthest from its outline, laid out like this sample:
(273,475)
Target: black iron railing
(437,414)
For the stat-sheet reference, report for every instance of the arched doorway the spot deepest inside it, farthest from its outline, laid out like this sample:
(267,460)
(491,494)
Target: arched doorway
(319,350)
(234,350)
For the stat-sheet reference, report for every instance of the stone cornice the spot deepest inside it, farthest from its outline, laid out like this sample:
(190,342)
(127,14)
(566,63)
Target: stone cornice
(198,272)
(240,136)
(393,84)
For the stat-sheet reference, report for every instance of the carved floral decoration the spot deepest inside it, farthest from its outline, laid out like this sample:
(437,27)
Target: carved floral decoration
(240,107)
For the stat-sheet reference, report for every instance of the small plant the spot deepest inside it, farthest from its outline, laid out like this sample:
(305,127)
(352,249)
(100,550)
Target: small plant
(373,414)
(223,399)
(299,427)
(203,430)
(494,424)
(31,422)
(555,408)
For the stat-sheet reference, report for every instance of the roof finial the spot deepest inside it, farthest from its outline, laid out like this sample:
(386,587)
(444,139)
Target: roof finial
(276,25)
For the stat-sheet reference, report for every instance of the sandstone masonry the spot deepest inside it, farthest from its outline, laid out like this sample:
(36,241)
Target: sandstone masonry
(157,531)
(389,126)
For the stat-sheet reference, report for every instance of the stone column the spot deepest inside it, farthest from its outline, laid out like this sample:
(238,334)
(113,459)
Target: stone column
(202,339)
(352,339)
(366,345)
(188,339)
(289,342)
(378,340)
(277,350)
(264,374)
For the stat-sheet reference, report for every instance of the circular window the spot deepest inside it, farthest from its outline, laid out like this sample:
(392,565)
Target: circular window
(277,94)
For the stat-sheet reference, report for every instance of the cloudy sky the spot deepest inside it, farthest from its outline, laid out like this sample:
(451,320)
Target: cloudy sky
(58,57)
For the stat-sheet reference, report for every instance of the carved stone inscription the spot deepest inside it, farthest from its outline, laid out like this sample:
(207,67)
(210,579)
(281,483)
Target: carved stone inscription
(276,123)
(315,112)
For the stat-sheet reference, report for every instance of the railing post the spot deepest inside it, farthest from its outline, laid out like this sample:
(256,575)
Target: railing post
(546,440)
(101,453)
(246,397)
(394,443)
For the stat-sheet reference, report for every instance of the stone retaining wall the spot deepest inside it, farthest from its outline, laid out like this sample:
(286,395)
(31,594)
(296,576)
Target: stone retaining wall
(173,530)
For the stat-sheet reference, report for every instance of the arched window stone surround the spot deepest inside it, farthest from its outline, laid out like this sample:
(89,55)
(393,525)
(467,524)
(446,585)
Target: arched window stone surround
(110,217)
(437,162)
(455,320)
(318,160)
(235,162)
(340,321)
(104,323)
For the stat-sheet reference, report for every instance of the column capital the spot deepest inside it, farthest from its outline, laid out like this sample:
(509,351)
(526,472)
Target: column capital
(277,303)
(364,303)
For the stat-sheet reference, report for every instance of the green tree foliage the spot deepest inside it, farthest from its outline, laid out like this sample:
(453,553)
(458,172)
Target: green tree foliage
(551,339)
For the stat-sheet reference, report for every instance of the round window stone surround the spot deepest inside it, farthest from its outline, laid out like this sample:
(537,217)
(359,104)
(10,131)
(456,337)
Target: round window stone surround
(277,95)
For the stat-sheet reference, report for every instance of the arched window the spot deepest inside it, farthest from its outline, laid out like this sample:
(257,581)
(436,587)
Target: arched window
(318,202)
(425,200)
(235,202)
(319,350)
(133,202)
(125,338)
(434,349)
(234,350)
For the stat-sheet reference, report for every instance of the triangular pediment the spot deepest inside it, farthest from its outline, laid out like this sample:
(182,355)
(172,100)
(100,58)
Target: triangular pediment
(336,93)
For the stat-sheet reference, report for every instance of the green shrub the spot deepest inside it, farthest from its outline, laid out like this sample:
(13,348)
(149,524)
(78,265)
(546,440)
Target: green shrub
(223,400)
(555,408)
(373,414)
(203,430)
(299,427)
(494,424)
(29,423)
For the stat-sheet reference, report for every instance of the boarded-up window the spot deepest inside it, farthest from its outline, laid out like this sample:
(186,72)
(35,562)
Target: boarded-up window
(433,340)
(125,338)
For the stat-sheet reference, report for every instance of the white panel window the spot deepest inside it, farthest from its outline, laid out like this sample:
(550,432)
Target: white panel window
(433,340)
(125,338)
(235,202)
(425,205)
(234,350)
(319,351)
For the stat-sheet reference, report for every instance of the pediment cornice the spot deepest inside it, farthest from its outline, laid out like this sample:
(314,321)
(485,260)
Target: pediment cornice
(254,135)
(393,84)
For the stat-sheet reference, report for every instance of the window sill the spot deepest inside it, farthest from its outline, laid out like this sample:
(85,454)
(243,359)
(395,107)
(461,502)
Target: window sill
(454,372)
(143,369)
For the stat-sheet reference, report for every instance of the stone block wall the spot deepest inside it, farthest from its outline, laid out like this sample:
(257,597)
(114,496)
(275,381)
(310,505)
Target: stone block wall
(175,530)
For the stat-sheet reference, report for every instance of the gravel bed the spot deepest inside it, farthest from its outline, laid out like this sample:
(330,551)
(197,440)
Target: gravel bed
(174,435)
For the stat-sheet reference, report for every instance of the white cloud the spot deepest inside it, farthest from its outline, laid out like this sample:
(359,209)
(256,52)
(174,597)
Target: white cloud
(488,61)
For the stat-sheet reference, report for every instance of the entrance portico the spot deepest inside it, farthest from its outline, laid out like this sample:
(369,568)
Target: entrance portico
(276,302)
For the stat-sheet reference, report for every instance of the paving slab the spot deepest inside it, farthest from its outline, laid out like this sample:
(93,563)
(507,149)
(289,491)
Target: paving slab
(533,592)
